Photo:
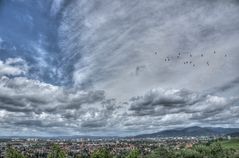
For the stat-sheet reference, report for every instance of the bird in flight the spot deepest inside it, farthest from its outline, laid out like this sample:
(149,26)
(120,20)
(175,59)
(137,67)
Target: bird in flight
(188,60)
(207,63)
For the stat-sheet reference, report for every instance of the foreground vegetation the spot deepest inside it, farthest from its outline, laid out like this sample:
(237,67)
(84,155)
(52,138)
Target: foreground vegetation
(216,149)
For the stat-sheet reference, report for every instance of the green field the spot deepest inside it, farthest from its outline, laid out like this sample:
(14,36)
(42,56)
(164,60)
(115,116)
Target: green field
(234,143)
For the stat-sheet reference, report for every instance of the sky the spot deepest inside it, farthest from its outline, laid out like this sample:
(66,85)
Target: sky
(117,68)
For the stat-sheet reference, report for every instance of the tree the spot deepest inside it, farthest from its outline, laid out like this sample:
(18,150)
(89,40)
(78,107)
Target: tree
(101,153)
(56,152)
(163,152)
(189,153)
(216,150)
(134,154)
(13,153)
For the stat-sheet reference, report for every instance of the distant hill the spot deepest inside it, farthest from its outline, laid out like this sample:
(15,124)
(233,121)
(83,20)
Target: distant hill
(191,131)
(234,134)
(180,132)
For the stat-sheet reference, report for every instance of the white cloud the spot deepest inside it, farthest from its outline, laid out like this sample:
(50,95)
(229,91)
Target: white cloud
(108,40)
(13,66)
(108,53)
(30,103)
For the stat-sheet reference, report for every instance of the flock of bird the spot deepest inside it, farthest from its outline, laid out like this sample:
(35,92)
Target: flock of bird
(189,61)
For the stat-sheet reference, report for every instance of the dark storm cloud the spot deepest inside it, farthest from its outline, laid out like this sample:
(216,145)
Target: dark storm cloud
(29,103)
(225,112)
(87,98)
(159,101)
(24,95)
(30,123)
(173,107)
(9,100)
(93,124)
(37,123)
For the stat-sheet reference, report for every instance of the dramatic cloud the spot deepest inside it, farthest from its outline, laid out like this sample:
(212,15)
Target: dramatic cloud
(121,67)
(29,103)
(162,108)
(120,38)
(22,94)
(162,102)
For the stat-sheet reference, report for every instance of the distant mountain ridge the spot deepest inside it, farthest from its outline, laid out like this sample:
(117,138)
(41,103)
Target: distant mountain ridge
(180,132)
(234,134)
(192,131)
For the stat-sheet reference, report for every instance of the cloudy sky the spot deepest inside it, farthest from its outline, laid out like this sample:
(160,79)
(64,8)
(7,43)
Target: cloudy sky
(103,67)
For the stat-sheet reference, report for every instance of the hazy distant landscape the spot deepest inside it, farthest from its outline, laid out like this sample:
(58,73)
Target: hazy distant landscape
(192,142)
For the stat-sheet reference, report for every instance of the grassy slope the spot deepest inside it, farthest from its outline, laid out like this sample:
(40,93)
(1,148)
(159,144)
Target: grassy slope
(234,143)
